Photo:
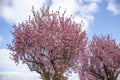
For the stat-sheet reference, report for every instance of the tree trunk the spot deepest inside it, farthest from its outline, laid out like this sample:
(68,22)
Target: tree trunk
(45,76)
(59,77)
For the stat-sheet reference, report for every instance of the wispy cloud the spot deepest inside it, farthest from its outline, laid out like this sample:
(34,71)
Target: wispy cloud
(17,11)
(114,6)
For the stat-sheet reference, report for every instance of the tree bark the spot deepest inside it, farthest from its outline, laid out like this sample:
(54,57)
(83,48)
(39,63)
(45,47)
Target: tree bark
(59,77)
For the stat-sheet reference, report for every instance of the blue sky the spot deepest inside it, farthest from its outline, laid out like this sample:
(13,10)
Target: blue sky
(99,16)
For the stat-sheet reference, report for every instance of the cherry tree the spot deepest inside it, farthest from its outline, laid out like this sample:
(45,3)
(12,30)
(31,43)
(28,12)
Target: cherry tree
(48,43)
(101,60)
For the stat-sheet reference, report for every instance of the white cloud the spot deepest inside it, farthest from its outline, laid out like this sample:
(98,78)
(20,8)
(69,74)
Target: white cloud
(70,5)
(73,77)
(6,62)
(78,9)
(9,70)
(114,7)
(87,12)
(118,78)
(78,19)
(18,10)
(18,76)
(2,3)
(27,76)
